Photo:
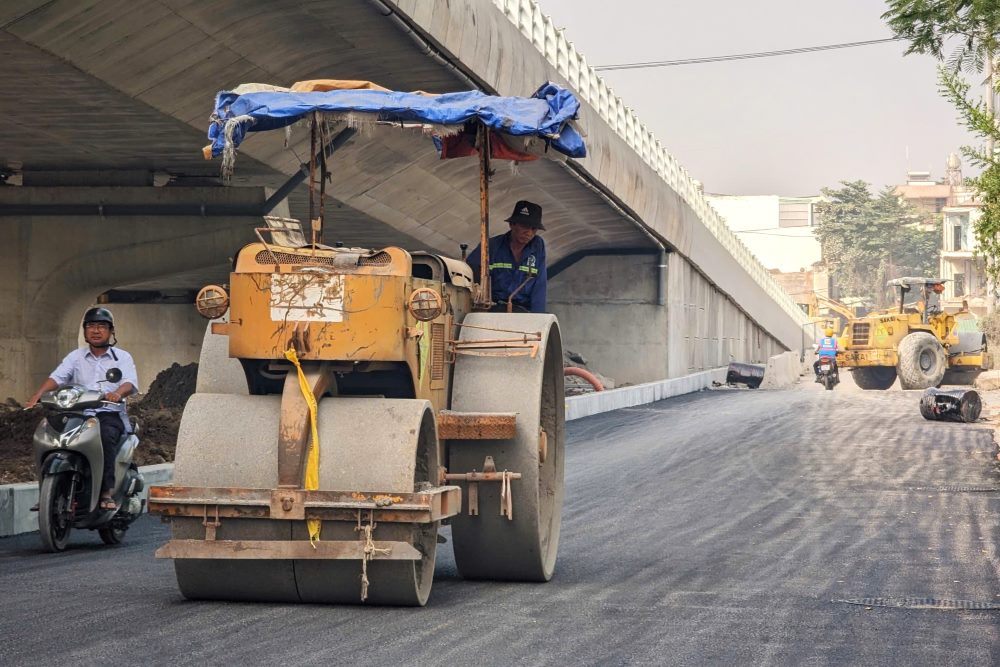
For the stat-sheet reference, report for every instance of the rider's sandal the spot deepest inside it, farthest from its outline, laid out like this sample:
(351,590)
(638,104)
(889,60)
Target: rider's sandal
(107,504)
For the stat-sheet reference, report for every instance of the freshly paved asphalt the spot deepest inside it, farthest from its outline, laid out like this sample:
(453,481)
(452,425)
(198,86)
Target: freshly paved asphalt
(725,527)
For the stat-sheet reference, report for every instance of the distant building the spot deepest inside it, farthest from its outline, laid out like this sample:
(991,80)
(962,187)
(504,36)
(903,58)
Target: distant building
(967,282)
(927,196)
(955,205)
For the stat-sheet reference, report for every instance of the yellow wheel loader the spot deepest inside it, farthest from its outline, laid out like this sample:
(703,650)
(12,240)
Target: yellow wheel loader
(917,341)
(350,400)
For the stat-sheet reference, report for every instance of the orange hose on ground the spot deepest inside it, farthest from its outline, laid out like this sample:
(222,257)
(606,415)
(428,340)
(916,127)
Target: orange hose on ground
(586,375)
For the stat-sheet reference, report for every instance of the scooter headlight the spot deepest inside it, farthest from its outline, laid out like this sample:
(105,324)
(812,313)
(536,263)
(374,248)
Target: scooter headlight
(67,397)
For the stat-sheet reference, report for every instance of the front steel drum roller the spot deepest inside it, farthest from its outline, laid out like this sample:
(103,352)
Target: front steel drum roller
(366,444)
(491,546)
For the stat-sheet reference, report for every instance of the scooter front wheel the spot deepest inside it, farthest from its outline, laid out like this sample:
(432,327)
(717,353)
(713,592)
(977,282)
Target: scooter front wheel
(54,519)
(111,535)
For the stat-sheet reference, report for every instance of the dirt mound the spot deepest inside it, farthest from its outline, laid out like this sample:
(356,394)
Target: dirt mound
(17,426)
(172,386)
(157,412)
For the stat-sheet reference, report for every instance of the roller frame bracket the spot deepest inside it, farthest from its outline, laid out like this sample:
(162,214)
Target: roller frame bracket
(288,504)
(426,506)
(285,550)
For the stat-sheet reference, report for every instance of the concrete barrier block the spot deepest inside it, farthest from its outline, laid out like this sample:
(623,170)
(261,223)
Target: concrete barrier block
(24,496)
(6,510)
(782,370)
(17,499)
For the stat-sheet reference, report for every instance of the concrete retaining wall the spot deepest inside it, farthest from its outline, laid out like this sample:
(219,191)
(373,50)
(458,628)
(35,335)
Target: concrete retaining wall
(585,405)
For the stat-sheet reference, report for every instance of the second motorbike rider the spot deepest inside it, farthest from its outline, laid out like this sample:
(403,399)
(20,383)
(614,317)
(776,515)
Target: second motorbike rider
(88,366)
(827,353)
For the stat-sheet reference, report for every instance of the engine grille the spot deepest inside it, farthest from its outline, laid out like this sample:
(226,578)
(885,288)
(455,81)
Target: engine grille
(860,333)
(268,257)
(378,259)
(437,351)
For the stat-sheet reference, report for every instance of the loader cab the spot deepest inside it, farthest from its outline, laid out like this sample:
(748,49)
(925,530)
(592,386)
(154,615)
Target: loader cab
(919,296)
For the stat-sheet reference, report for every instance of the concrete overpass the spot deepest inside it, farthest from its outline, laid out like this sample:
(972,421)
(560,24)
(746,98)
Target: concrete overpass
(105,191)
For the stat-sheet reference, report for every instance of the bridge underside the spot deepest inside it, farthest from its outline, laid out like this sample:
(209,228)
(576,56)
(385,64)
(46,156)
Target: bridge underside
(102,145)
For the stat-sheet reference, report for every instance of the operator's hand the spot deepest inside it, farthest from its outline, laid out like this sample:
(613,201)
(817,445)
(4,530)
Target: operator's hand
(31,402)
(113,396)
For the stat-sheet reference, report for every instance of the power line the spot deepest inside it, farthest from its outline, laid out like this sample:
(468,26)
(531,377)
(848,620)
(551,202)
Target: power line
(744,56)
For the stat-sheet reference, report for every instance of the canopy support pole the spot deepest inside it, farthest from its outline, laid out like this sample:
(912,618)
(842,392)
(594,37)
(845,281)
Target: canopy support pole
(315,224)
(485,297)
(303,173)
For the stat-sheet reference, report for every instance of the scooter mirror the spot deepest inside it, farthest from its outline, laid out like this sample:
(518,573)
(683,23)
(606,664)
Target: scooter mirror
(113,375)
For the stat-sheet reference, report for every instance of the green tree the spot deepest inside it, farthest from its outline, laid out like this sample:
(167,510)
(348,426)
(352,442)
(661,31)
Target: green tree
(970,25)
(868,239)
(974,27)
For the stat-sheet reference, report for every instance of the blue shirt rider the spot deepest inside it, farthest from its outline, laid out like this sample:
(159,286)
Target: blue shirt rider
(516,257)
(826,350)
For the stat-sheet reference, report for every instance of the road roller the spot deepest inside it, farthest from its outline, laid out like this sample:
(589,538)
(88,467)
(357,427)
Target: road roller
(352,400)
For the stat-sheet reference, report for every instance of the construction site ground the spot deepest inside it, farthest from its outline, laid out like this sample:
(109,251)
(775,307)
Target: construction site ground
(786,527)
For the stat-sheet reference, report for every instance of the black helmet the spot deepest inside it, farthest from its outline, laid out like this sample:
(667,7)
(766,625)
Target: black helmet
(98,314)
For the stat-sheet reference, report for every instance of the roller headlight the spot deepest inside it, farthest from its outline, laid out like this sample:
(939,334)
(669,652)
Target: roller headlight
(425,304)
(212,301)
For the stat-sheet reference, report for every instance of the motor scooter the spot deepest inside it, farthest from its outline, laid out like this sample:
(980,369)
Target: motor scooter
(70,461)
(827,373)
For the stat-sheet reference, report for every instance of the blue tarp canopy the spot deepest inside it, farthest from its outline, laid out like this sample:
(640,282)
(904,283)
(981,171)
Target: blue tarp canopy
(545,115)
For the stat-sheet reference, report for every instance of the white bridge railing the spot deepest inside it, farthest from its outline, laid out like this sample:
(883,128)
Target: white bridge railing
(528,17)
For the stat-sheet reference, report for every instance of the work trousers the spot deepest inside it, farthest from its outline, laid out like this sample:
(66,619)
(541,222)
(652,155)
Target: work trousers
(111,433)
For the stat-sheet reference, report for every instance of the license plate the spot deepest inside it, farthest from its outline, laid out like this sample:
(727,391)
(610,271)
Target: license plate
(825,367)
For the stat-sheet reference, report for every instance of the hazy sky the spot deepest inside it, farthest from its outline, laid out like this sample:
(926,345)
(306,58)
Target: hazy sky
(785,125)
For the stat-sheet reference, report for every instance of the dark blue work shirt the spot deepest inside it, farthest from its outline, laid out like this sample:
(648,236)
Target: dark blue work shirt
(506,274)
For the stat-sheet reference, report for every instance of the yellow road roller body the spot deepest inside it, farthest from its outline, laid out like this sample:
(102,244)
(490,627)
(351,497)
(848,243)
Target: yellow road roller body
(365,404)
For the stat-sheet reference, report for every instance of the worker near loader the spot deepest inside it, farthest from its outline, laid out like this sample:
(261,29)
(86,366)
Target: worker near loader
(826,352)
(88,366)
(517,262)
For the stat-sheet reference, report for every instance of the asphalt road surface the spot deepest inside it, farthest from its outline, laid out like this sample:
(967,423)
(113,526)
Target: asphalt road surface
(726,527)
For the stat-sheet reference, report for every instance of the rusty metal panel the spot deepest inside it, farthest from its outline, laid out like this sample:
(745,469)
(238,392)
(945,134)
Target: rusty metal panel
(282,550)
(476,425)
(432,505)
(327,316)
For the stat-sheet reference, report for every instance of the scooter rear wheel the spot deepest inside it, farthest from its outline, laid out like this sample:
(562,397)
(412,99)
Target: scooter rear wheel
(54,524)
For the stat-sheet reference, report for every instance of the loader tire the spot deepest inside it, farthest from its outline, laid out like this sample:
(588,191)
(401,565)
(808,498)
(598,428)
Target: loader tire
(922,361)
(488,545)
(874,377)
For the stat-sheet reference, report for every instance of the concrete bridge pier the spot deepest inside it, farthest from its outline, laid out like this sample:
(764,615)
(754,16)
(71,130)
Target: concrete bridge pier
(647,316)
(65,246)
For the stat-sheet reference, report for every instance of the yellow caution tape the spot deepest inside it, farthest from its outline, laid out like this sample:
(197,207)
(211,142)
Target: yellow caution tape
(423,350)
(312,459)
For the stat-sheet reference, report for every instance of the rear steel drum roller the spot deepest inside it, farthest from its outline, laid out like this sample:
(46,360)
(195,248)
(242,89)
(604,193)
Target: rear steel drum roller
(374,444)
(231,441)
(365,445)
(490,546)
